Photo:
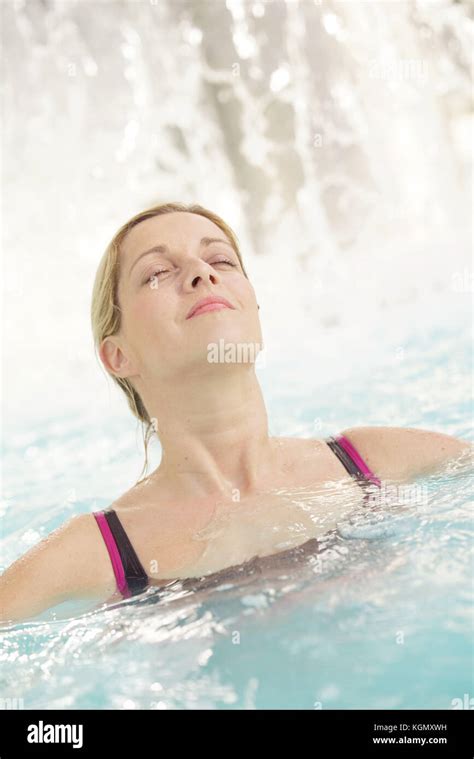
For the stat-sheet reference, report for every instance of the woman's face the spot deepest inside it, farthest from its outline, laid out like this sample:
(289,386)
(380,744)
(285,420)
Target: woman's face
(158,289)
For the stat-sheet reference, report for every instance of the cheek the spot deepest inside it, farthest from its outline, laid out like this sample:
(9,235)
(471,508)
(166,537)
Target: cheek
(245,292)
(152,304)
(148,317)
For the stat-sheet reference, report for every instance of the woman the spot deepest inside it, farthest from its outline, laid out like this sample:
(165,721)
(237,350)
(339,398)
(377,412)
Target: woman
(170,288)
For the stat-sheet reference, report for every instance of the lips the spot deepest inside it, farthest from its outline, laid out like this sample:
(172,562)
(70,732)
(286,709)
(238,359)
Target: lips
(205,304)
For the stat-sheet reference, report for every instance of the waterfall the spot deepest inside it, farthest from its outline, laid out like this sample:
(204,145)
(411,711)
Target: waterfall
(333,135)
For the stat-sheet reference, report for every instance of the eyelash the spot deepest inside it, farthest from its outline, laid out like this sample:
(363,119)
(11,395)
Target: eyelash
(160,271)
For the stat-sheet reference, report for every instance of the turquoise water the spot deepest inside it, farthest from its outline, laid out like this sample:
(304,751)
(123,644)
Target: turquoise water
(384,619)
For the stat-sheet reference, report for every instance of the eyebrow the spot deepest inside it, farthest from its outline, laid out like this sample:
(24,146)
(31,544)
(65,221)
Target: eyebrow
(205,241)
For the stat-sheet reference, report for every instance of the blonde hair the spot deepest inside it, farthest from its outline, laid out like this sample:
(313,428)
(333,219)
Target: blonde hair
(105,309)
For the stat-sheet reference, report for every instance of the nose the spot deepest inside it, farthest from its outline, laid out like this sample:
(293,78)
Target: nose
(200,271)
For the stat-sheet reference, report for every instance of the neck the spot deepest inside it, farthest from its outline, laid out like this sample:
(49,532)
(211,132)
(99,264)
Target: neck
(213,434)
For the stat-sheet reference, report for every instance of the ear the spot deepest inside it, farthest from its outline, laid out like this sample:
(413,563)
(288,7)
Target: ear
(114,359)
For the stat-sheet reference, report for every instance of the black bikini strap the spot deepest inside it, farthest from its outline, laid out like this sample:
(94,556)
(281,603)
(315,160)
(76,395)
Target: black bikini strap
(351,466)
(135,575)
(345,458)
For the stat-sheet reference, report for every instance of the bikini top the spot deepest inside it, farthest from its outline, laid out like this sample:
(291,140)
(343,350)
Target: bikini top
(130,575)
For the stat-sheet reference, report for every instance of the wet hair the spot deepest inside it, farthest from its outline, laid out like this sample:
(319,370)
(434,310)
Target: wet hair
(105,308)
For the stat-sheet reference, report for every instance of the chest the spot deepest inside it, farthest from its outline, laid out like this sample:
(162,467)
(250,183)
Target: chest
(225,534)
(306,497)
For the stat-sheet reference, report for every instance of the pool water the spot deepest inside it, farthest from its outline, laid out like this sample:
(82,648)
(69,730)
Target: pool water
(380,618)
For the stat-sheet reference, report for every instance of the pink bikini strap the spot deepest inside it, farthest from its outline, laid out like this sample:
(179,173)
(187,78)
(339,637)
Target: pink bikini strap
(358,460)
(113,553)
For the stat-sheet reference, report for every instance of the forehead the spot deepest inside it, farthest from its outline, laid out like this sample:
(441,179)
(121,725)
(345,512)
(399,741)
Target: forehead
(177,229)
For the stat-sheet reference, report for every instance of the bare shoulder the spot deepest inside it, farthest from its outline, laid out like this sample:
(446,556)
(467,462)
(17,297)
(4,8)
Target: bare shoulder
(399,453)
(160,527)
(71,562)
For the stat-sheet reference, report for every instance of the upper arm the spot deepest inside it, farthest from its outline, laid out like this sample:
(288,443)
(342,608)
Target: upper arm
(70,563)
(401,453)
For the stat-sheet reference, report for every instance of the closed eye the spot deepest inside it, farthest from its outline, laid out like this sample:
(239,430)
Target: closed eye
(155,274)
(224,261)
